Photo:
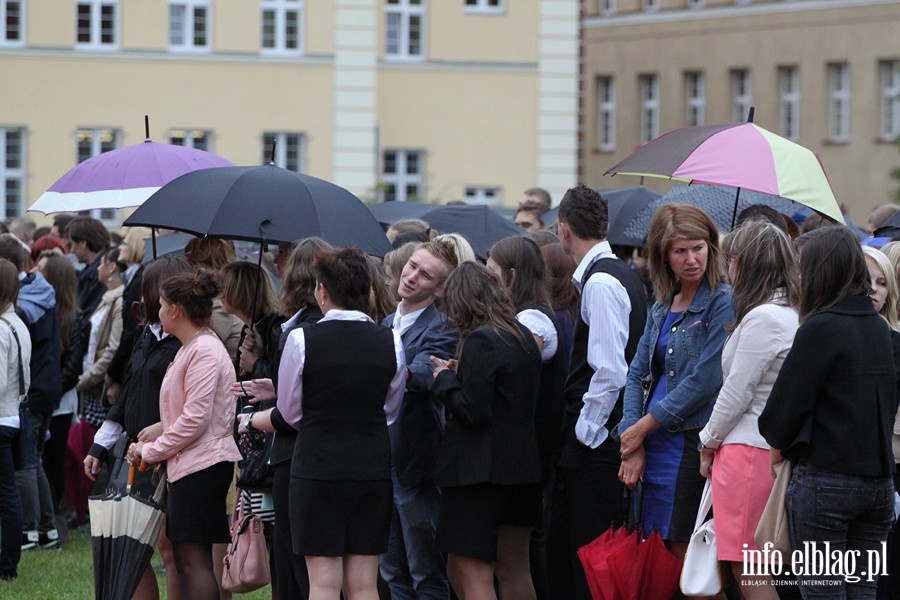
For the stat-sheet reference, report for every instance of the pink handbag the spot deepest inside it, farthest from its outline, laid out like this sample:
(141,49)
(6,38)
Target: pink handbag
(246,560)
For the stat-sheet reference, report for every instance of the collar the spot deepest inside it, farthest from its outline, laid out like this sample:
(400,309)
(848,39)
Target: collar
(598,251)
(852,305)
(345,315)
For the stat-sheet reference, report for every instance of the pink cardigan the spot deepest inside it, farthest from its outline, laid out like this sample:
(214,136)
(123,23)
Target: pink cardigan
(197,410)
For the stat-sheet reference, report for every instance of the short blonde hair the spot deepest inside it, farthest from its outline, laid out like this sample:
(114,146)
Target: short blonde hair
(134,241)
(461,246)
(892,303)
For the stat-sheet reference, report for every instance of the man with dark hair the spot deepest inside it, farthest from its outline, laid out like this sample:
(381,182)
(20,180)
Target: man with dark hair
(36,306)
(413,567)
(537,198)
(613,312)
(529,219)
(88,239)
(762,212)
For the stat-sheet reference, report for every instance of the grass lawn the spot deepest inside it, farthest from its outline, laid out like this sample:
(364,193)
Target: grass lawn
(68,573)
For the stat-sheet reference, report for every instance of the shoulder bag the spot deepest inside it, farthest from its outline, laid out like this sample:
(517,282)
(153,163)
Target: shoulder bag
(773,523)
(246,563)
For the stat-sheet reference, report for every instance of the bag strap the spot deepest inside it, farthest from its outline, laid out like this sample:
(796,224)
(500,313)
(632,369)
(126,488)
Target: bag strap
(19,347)
(705,505)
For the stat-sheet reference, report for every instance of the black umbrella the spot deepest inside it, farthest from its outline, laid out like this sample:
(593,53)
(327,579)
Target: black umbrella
(479,224)
(624,205)
(388,212)
(262,204)
(123,533)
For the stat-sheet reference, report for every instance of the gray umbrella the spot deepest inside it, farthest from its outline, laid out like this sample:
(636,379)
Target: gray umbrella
(717,202)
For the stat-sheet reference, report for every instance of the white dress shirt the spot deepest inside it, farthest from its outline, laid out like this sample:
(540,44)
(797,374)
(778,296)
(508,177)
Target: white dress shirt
(541,326)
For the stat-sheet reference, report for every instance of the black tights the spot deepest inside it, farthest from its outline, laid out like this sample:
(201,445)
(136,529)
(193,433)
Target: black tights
(193,560)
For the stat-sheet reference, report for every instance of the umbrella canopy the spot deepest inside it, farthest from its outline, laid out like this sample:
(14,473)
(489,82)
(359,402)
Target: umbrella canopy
(123,533)
(123,178)
(388,212)
(624,205)
(265,203)
(737,155)
(716,201)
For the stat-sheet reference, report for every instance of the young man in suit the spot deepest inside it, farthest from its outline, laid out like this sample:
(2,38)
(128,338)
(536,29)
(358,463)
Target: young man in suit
(413,567)
(613,312)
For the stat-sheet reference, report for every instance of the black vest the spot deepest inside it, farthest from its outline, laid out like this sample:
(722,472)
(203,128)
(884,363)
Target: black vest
(347,371)
(580,372)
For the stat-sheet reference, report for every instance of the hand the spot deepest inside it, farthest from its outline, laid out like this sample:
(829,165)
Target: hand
(441,365)
(633,437)
(632,468)
(706,462)
(260,389)
(775,457)
(112,390)
(91,467)
(134,453)
(150,432)
(248,354)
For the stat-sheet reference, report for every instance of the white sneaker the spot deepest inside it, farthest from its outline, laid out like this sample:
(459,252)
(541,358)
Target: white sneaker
(29,540)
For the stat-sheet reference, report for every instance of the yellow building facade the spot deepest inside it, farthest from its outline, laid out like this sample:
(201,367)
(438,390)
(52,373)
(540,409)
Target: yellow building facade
(433,100)
(825,73)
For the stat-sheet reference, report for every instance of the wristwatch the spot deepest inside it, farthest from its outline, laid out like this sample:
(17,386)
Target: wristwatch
(248,422)
(701,447)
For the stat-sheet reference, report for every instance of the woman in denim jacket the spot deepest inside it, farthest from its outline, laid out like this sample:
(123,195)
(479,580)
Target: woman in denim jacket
(676,373)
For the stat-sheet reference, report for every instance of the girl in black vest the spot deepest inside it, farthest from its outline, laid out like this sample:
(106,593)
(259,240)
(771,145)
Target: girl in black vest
(489,467)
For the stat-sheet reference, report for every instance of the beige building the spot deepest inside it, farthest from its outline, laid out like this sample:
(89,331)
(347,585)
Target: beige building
(394,99)
(825,73)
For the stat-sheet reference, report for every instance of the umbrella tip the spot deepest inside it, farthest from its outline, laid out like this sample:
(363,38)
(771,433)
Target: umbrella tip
(750,114)
(146,128)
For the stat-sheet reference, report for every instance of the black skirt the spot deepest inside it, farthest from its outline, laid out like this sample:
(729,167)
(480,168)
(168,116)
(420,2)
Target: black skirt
(337,518)
(195,510)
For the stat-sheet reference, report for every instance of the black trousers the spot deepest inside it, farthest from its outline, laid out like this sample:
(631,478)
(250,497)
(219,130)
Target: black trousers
(290,568)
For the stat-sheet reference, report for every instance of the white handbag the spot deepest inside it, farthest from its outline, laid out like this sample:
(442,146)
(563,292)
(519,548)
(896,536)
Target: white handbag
(701,574)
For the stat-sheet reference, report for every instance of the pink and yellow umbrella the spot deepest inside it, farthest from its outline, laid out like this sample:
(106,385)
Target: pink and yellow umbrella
(738,155)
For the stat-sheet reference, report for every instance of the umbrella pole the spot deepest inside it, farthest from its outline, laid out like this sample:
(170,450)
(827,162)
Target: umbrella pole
(737,197)
(153,240)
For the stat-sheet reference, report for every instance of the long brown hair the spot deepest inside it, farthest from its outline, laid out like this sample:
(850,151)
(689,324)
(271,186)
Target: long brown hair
(832,268)
(474,297)
(766,263)
(248,289)
(60,273)
(298,285)
(673,221)
(523,271)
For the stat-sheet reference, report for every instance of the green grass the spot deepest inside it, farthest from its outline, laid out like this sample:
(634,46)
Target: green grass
(68,573)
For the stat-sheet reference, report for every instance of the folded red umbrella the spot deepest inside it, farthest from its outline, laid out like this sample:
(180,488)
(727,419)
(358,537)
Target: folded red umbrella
(595,560)
(645,572)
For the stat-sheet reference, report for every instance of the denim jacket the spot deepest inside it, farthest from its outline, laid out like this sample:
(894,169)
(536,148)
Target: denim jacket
(693,362)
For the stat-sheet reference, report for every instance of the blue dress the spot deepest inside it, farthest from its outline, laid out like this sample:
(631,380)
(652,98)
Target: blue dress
(670,457)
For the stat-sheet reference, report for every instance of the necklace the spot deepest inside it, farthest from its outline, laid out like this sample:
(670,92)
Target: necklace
(196,333)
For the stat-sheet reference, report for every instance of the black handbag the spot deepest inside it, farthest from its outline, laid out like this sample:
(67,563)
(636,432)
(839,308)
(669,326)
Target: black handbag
(23,446)
(255,473)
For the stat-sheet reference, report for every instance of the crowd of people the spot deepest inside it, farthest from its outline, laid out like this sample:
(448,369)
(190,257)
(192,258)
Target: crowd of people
(439,424)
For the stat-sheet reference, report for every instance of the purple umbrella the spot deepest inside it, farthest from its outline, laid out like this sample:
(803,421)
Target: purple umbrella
(123,178)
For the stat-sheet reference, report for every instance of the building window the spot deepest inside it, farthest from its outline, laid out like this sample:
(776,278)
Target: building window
(11,15)
(189,25)
(839,102)
(483,195)
(649,107)
(405,23)
(890,100)
(695,98)
(789,88)
(402,175)
(97,24)
(91,142)
(696,3)
(607,7)
(606,114)
(12,169)
(281,26)
(191,138)
(650,5)
(288,151)
(484,6)
(741,95)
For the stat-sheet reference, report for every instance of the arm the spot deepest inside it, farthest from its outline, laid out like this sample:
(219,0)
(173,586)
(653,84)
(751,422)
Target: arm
(705,379)
(760,340)
(543,329)
(94,376)
(398,384)
(605,307)
(439,340)
(290,379)
(73,359)
(470,395)
(638,371)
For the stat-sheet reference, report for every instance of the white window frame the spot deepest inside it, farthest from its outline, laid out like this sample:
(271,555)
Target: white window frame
(608,8)
(839,102)
(190,137)
(190,7)
(741,94)
(789,105)
(400,179)
(890,100)
(99,140)
(606,113)
(286,144)
(484,7)
(96,33)
(405,11)
(649,87)
(694,98)
(281,10)
(12,174)
(485,195)
(4,13)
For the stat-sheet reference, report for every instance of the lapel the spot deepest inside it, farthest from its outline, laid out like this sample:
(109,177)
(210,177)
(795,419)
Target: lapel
(414,333)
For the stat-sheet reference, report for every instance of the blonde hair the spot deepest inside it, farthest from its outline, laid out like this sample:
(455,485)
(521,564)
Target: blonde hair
(673,221)
(891,309)
(461,246)
(134,241)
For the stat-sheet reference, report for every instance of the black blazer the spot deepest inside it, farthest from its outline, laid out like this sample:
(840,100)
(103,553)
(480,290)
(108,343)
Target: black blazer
(834,401)
(491,402)
(416,434)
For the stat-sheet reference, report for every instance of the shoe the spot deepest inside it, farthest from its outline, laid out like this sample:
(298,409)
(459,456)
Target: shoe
(8,576)
(49,540)
(29,540)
